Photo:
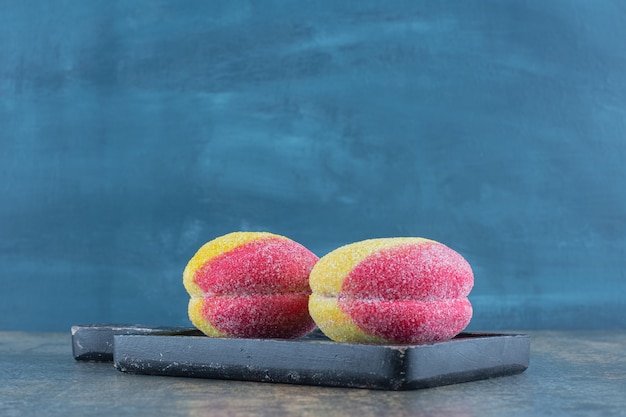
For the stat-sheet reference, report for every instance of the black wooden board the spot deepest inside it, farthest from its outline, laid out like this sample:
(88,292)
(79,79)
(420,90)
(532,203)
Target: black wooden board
(316,360)
(95,342)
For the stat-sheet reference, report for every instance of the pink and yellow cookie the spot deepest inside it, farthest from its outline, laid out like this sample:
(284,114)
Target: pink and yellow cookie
(391,291)
(250,285)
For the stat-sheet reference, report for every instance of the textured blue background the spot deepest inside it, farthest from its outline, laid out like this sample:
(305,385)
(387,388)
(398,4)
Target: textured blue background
(131,132)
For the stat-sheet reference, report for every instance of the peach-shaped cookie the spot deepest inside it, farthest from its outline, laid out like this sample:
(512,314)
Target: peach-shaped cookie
(250,285)
(391,291)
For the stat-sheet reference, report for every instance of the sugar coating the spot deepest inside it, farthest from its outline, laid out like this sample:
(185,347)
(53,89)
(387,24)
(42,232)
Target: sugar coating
(212,249)
(252,316)
(336,324)
(250,284)
(409,321)
(331,270)
(270,265)
(424,270)
(395,290)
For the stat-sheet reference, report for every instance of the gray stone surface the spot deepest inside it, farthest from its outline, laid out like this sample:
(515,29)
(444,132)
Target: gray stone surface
(571,373)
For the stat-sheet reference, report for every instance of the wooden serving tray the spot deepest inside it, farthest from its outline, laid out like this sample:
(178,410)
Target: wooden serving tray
(312,360)
(94,342)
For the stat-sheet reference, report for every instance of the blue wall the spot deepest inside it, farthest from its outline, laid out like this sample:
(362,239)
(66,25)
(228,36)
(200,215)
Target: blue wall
(131,132)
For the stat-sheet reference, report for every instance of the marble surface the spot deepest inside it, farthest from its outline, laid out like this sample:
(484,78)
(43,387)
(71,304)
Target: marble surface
(573,373)
(132,132)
